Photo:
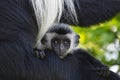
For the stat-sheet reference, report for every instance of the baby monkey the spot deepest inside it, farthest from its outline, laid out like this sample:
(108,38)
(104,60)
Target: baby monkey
(60,38)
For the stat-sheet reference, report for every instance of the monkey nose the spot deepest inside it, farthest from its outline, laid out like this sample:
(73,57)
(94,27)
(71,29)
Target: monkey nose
(62,51)
(62,47)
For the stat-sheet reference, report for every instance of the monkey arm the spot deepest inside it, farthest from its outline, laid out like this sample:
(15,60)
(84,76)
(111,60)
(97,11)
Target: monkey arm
(98,67)
(90,58)
(96,64)
(15,45)
(91,12)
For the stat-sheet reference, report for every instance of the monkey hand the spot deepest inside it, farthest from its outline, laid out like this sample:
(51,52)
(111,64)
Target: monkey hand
(102,71)
(39,53)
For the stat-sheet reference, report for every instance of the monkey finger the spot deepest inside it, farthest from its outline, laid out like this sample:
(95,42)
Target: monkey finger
(37,54)
(42,54)
(103,72)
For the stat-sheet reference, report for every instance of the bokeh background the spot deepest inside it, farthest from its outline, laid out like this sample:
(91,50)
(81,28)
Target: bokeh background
(103,42)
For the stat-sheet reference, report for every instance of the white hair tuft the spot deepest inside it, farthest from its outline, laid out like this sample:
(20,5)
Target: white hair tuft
(48,12)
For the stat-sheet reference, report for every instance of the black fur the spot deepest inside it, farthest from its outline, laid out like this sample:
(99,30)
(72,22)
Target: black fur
(90,12)
(18,32)
(60,29)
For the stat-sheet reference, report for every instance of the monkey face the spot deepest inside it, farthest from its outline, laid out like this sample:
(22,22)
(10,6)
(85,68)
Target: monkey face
(60,45)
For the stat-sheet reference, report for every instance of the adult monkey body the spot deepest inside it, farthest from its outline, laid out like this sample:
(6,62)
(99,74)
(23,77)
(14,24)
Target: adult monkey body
(18,32)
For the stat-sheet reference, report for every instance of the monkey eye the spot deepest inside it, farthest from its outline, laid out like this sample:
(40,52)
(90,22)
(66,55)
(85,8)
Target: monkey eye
(66,42)
(55,42)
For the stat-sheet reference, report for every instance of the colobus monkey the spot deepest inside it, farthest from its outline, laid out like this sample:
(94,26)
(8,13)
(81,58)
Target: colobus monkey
(18,33)
(61,39)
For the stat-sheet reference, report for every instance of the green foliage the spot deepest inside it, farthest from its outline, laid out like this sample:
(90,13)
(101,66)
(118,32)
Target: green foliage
(97,38)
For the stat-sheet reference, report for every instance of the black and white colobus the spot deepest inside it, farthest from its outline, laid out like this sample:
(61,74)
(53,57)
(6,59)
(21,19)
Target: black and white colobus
(18,33)
(59,38)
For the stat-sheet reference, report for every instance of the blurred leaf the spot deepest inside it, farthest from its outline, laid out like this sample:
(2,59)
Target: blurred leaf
(96,38)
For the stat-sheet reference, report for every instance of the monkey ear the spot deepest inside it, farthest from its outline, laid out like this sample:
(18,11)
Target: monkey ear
(77,37)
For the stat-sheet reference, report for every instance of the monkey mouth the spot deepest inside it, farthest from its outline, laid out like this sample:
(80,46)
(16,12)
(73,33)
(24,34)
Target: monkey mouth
(61,55)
